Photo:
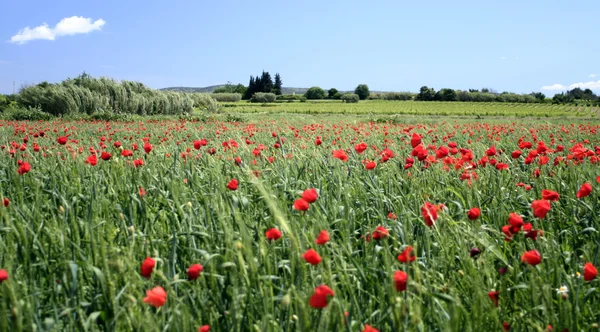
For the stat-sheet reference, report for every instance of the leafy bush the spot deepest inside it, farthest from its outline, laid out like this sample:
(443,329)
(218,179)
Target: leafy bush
(350,98)
(392,96)
(87,95)
(204,102)
(22,114)
(362,90)
(289,97)
(261,97)
(315,93)
(226,97)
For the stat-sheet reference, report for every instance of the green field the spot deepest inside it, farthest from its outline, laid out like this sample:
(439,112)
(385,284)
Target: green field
(76,229)
(417,108)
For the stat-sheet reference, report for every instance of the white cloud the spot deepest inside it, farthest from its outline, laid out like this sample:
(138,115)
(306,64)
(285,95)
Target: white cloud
(582,85)
(66,27)
(502,58)
(592,75)
(586,85)
(554,87)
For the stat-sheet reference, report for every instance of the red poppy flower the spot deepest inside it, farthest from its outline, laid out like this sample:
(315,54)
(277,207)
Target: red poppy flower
(301,205)
(474,252)
(550,195)
(24,168)
(540,208)
(392,216)
(194,271)
(501,166)
(147,147)
(273,234)
(92,160)
(532,257)
(430,213)
(62,140)
(380,233)
(319,298)
(506,326)
(400,280)
(341,155)
(516,222)
(473,213)
(126,153)
(233,184)
(494,297)
(138,162)
(147,267)
(370,165)
(105,156)
(204,328)
(156,297)
(589,272)
(360,148)
(3,275)
(142,192)
(310,195)
(584,191)
(415,140)
(312,257)
(6,202)
(322,238)
(369,328)
(407,255)
(516,154)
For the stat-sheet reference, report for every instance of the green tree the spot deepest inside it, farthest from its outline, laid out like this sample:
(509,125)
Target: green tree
(331,93)
(362,90)
(266,83)
(315,93)
(539,96)
(446,95)
(278,85)
(425,94)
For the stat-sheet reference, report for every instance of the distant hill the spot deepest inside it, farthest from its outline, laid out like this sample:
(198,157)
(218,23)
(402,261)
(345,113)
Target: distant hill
(210,89)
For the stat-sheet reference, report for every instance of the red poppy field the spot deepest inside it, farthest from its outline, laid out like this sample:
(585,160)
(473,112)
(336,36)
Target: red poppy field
(309,226)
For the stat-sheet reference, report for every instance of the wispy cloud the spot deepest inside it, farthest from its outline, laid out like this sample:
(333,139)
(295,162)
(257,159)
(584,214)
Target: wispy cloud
(592,76)
(554,87)
(502,58)
(66,27)
(592,85)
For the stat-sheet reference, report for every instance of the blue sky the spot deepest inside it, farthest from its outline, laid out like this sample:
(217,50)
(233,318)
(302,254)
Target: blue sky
(394,45)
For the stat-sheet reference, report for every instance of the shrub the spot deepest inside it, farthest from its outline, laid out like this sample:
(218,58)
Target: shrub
(362,90)
(204,102)
(350,98)
(226,97)
(392,96)
(261,97)
(315,93)
(289,97)
(332,93)
(21,114)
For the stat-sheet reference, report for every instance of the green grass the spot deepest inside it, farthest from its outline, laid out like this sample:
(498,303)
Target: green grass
(74,236)
(382,107)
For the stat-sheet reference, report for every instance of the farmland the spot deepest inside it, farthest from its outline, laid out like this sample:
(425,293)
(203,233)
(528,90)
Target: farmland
(179,224)
(379,107)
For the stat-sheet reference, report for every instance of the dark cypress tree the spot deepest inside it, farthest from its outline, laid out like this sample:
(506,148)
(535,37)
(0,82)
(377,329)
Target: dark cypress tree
(251,89)
(278,85)
(266,82)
